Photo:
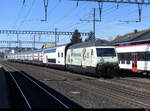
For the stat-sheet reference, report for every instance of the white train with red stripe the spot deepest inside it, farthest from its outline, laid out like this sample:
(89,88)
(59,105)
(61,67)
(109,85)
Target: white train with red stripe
(134,56)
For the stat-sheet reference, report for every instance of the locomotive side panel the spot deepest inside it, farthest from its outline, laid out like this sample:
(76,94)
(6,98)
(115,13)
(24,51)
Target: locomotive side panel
(86,59)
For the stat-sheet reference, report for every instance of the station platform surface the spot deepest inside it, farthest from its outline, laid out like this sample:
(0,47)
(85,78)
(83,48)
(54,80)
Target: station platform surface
(4,103)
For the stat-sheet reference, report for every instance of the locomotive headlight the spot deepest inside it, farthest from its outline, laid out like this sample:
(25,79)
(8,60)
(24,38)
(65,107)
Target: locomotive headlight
(100,64)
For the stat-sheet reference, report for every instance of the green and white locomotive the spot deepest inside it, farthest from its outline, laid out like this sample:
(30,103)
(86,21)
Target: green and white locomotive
(92,57)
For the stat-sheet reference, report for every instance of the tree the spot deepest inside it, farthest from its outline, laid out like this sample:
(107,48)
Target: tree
(90,37)
(76,37)
(135,31)
(117,37)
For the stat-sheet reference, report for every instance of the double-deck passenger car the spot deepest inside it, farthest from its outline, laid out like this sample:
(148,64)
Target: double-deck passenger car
(55,56)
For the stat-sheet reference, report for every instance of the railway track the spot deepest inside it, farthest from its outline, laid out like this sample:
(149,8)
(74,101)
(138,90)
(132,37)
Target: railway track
(34,95)
(88,87)
(135,83)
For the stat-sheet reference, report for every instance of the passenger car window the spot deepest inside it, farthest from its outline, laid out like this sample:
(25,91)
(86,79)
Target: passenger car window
(61,54)
(141,56)
(91,51)
(58,54)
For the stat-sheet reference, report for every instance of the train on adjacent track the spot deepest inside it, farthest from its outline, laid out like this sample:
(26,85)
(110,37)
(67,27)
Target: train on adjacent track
(88,57)
(134,56)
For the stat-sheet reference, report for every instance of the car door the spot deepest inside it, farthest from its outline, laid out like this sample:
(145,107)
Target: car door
(134,58)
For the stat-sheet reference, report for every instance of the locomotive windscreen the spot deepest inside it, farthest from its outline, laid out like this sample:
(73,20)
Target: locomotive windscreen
(105,52)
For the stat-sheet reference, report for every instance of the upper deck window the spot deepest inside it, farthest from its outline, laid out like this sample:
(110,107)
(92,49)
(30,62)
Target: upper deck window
(105,52)
(91,51)
(61,54)
(50,50)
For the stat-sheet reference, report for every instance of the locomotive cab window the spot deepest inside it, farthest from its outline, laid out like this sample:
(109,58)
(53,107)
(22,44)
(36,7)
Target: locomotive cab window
(58,54)
(105,52)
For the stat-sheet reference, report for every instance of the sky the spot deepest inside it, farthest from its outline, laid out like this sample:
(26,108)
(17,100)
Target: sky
(66,16)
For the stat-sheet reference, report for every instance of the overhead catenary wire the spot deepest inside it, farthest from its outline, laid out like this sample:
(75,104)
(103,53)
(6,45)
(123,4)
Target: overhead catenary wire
(71,26)
(79,23)
(60,19)
(55,6)
(26,16)
(31,20)
(18,16)
(68,14)
(73,23)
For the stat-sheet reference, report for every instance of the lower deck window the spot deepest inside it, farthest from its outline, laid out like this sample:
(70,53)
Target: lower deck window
(128,62)
(122,61)
(122,57)
(141,56)
(52,60)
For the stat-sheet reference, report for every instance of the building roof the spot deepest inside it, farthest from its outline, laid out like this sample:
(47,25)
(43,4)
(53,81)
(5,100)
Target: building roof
(130,36)
(146,41)
(99,42)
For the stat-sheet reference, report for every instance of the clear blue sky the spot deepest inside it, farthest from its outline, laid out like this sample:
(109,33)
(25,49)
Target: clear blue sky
(66,16)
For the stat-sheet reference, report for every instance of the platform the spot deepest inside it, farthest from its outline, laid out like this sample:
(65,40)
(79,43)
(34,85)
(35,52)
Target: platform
(3,90)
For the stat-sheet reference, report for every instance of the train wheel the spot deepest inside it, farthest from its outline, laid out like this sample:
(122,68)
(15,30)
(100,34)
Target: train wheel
(98,72)
(148,74)
(109,72)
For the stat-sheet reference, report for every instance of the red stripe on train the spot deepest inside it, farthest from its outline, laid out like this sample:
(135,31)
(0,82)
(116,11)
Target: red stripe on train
(132,45)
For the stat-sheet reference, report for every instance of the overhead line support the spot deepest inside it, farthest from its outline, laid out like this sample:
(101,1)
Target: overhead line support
(94,20)
(45,8)
(120,1)
(40,32)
